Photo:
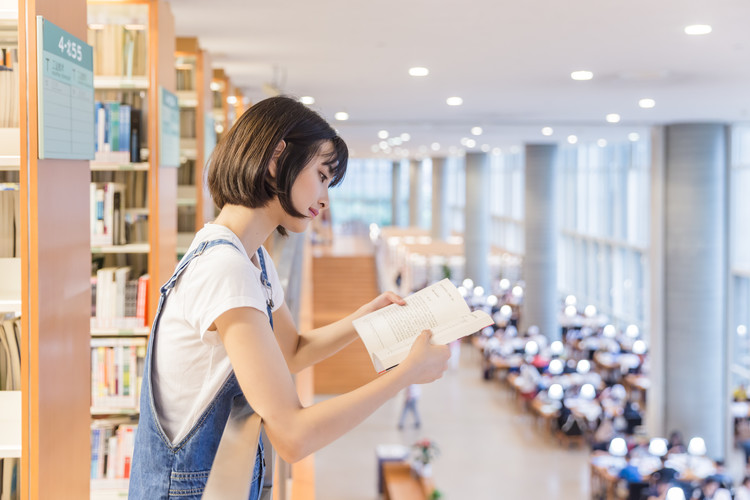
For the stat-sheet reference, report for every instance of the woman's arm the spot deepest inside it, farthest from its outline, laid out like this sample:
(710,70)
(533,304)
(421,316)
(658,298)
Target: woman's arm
(305,349)
(296,431)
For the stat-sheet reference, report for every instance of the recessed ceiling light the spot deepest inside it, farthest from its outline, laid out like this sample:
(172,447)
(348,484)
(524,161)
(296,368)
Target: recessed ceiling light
(476,130)
(497,151)
(383,144)
(647,103)
(547,131)
(215,86)
(454,101)
(135,27)
(232,99)
(601,143)
(341,116)
(435,146)
(633,136)
(419,71)
(613,118)
(470,143)
(383,134)
(308,100)
(698,29)
(572,139)
(405,137)
(485,148)
(96,26)
(582,75)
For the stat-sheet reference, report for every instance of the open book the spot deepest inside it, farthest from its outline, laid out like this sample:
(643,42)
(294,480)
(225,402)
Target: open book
(389,332)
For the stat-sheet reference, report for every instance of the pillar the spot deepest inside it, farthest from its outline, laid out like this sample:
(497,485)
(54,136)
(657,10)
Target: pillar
(477,219)
(439,229)
(415,193)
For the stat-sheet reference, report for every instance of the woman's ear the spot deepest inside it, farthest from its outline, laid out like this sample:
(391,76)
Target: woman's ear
(276,154)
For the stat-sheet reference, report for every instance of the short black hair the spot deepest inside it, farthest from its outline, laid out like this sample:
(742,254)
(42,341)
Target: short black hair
(238,169)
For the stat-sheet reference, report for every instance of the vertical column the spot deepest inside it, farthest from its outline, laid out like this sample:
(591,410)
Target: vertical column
(439,202)
(540,229)
(695,251)
(415,192)
(56,289)
(395,198)
(477,219)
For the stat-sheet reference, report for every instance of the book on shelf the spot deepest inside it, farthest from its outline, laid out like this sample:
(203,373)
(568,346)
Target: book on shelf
(107,213)
(10,354)
(112,443)
(116,298)
(389,333)
(117,129)
(9,92)
(116,372)
(118,50)
(10,240)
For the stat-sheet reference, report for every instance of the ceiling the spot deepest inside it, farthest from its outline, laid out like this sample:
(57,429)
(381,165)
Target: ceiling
(510,62)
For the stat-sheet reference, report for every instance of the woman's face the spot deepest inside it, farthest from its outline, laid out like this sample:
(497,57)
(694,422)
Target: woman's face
(310,189)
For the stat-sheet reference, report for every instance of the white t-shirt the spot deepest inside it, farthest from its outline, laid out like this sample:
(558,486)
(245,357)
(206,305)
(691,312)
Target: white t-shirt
(190,363)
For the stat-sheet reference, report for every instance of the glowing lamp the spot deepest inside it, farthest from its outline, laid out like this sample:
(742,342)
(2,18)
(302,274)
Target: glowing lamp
(588,392)
(555,367)
(570,311)
(583,367)
(517,291)
(697,446)
(590,311)
(555,392)
(609,331)
(618,447)
(570,300)
(506,311)
(658,447)
(504,284)
(492,300)
(478,291)
(557,348)
(639,347)
(532,348)
(463,291)
(675,493)
(468,283)
(632,331)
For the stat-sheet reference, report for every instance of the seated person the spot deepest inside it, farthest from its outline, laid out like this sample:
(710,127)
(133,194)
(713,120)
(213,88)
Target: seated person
(567,422)
(711,490)
(675,443)
(722,476)
(742,492)
(632,416)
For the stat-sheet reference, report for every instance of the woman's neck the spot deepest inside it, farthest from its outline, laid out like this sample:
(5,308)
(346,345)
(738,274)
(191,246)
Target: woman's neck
(251,225)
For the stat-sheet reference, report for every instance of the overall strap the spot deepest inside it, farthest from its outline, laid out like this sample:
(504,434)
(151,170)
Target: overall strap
(267,284)
(202,247)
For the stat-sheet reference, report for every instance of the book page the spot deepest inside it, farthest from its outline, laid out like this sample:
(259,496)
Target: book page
(424,310)
(442,334)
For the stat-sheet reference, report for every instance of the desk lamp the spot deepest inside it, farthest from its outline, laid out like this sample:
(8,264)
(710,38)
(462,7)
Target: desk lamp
(555,367)
(639,347)
(632,331)
(590,311)
(504,284)
(571,311)
(675,493)
(609,331)
(658,447)
(583,367)
(556,392)
(506,311)
(468,283)
(570,300)
(588,392)
(517,291)
(479,291)
(492,300)
(697,447)
(532,348)
(557,348)
(618,447)
(463,291)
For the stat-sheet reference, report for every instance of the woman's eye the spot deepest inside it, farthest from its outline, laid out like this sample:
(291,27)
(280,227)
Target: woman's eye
(323,177)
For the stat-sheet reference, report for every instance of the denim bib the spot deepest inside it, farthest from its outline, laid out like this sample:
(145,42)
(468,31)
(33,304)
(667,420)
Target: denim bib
(161,470)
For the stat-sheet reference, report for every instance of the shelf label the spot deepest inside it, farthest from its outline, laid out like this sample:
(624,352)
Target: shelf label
(169,129)
(65,93)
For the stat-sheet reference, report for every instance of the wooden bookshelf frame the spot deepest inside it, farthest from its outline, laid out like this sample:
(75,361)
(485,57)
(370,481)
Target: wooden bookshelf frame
(56,293)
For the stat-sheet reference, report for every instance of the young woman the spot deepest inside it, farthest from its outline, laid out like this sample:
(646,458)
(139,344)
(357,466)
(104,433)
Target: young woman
(223,334)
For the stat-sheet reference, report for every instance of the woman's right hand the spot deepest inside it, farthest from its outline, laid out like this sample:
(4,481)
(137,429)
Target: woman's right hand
(426,362)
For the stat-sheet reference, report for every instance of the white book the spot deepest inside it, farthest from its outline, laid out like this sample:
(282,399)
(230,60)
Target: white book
(389,333)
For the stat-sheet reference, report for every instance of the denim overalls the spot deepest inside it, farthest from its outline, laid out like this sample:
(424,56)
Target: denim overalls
(161,470)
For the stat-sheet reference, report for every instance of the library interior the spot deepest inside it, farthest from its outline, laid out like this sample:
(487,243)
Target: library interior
(573,172)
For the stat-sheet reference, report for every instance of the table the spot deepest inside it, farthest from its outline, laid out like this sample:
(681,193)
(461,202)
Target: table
(401,483)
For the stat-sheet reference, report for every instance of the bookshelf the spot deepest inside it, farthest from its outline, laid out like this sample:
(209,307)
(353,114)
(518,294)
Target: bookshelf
(197,139)
(133,200)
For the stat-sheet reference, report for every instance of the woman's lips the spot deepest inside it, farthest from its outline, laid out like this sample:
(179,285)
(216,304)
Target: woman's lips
(314,212)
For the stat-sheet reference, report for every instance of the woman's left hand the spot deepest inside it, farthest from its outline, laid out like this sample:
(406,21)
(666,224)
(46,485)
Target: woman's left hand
(379,302)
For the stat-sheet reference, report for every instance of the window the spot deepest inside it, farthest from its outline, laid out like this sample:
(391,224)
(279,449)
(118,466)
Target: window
(365,195)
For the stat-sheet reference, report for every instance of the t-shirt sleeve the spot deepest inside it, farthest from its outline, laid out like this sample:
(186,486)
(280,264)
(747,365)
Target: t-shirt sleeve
(224,280)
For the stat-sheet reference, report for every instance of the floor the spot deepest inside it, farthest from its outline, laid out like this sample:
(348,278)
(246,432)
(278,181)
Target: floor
(490,448)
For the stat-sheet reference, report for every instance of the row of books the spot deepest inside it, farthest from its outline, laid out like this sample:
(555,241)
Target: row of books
(9,478)
(186,77)
(117,132)
(9,111)
(118,301)
(10,353)
(187,123)
(112,444)
(10,241)
(118,51)
(116,372)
